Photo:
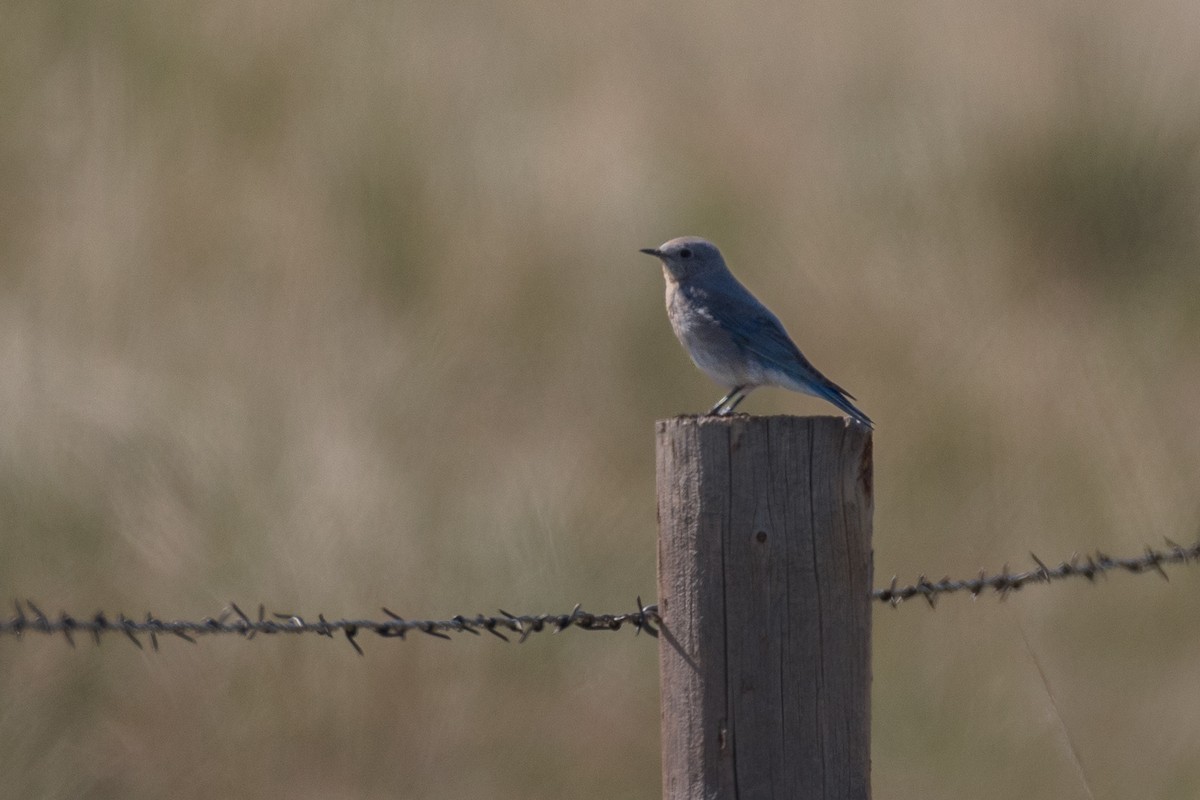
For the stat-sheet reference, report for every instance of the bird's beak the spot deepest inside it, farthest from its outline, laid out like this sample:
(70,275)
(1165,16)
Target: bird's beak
(651,251)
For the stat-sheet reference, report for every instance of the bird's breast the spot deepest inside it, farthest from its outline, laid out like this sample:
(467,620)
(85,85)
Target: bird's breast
(708,343)
(687,312)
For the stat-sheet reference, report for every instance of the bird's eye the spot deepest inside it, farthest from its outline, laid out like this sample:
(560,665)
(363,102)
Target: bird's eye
(685,253)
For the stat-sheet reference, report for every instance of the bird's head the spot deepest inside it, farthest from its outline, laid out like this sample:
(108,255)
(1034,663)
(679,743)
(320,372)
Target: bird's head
(687,257)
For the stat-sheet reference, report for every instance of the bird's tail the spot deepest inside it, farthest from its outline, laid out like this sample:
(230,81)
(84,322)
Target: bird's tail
(841,398)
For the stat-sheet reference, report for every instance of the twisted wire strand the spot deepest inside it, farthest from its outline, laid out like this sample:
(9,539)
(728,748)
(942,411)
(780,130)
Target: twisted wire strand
(29,618)
(1077,566)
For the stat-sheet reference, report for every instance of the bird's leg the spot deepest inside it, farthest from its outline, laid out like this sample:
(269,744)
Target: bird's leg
(742,393)
(715,410)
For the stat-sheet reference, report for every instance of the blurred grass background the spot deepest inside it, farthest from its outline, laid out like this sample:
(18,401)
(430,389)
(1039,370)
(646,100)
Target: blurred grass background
(335,306)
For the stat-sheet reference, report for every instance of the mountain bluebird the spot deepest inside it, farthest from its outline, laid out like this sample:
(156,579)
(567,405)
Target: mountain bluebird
(731,337)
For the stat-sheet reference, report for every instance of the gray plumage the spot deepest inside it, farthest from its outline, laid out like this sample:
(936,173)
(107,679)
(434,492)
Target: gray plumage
(730,335)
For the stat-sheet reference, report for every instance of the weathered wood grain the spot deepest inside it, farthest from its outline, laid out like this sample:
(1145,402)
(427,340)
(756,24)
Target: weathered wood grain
(764,591)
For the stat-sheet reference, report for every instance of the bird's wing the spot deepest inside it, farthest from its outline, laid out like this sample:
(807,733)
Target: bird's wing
(762,334)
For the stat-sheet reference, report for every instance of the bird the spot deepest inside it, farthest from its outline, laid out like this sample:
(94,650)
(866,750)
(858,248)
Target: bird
(730,335)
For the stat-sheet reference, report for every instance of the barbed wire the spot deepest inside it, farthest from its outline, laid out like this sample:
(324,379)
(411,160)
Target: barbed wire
(1077,566)
(29,618)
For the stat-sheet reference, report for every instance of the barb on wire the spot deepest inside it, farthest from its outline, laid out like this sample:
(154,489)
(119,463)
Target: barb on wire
(1005,581)
(29,618)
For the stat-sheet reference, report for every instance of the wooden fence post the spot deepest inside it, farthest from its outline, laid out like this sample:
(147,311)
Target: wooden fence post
(764,585)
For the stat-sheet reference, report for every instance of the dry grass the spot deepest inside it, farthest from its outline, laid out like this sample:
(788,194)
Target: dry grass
(334,306)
